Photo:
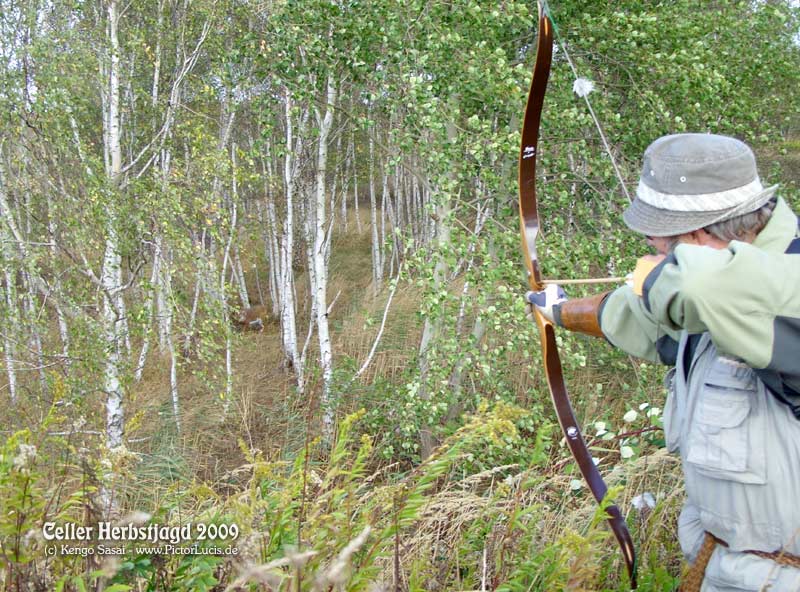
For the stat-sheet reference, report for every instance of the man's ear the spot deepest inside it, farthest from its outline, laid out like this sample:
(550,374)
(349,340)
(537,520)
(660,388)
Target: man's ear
(704,238)
(695,237)
(700,236)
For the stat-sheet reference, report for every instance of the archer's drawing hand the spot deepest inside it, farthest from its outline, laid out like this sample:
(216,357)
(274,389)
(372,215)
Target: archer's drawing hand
(545,300)
(644,265)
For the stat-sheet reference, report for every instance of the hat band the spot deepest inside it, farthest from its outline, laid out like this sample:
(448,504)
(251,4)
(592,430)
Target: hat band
(704,202)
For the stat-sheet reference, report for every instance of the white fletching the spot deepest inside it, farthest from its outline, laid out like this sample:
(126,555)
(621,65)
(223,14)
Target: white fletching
(582,87)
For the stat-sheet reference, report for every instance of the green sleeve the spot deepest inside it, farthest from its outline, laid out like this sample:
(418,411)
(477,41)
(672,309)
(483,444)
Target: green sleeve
(735,294)
(628,325)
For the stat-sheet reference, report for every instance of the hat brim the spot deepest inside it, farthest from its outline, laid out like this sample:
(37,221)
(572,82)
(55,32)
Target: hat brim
(651,221)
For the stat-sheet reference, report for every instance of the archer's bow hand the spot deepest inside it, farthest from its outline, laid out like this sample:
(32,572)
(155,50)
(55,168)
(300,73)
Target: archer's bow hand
(544,300)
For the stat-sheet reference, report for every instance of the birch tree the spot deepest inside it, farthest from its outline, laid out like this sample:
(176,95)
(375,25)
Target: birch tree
(295,121)
(111,281)
(10,324)
(319,253)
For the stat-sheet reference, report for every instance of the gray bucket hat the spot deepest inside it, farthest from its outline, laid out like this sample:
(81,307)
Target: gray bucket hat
(690,181)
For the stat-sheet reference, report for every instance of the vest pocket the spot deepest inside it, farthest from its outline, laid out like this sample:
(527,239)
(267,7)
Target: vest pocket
(725,439)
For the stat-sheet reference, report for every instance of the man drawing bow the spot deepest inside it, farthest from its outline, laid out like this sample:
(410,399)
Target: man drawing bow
(721,303)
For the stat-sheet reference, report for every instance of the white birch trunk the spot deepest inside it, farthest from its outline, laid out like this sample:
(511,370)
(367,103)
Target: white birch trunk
(114,342)
(12,328)
(432,326)
(356,209)
(149,306)
(345,187)
(32,321)
(163,281)
(111,276)
(430,222)
(157,53)
(377,256)
(198,289)
(165,316)
(419,213)
(173,383)
(288,313)
(227,258)
(479,326)
(269,224)
(11,325)
(273,256)
(223,302)
(9,347)
(238,274)
(398,197)
(320,275)
(335,181)
(384,204)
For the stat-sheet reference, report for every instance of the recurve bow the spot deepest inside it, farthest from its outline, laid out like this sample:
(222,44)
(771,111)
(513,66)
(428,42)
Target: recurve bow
(529,227)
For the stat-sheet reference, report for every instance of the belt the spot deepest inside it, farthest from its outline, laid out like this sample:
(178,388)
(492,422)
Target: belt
(693,579)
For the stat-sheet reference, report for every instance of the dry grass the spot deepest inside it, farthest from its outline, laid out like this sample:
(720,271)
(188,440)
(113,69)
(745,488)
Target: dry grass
(481,505)
(399,341)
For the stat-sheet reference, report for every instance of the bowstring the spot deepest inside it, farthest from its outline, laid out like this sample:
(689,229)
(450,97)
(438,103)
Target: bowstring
(563,46)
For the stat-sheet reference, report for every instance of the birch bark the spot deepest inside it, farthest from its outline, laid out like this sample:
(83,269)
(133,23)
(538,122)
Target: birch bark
(286,284)
(10,324)
(356,208)
(377,254)
(320,275)
(111,275)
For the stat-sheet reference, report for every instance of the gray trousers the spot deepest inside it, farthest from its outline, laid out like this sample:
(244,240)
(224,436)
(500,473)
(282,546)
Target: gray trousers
(732,571)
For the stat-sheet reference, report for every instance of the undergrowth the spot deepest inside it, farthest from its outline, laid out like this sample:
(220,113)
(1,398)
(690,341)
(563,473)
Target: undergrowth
(332,518)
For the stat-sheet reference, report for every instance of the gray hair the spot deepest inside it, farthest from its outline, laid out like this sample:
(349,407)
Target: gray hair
(743,226)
